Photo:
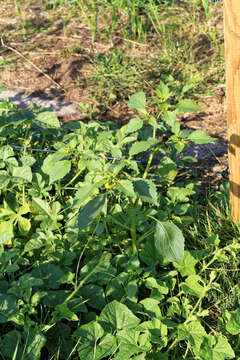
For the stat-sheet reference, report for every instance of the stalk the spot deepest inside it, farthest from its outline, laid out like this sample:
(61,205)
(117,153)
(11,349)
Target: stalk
(150,157)
(133,233)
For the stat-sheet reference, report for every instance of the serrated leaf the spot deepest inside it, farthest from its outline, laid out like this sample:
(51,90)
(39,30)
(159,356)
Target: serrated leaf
(146,190)
(193,333)
(117,316)
(141,146)
(133,125)
(200,137)
(233,324)
(216,348)
(187,106)
(169,241)
(126,187)
(138,101)
(23,173)
(47,119)
(90,211)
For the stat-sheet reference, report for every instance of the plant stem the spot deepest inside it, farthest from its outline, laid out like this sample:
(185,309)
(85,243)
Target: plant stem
(150,157)
(133,233)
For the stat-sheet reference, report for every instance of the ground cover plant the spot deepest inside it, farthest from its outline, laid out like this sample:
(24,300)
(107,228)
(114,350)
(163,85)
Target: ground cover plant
(108,248)
(101,254)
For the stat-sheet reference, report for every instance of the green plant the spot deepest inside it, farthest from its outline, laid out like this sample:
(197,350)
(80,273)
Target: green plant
(92,254)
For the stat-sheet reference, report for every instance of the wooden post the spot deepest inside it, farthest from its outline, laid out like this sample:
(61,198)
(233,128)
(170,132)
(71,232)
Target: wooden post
(232,54)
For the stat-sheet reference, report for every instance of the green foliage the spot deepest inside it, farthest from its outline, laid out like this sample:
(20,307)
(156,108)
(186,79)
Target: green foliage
(92,257)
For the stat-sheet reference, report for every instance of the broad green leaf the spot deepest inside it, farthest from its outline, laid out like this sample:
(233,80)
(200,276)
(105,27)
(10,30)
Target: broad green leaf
(169,241)
(50,274)
(50,161)
(200,137)
(27,160)
(93,344)
(169,117)
(193,333)
(36,242)
(163,91)
(133,125)
(157,331)
(148,253)
(141,146)
(146,190)
(34,346)
(60,170)
(187,106)
(233,324)
(6,152)
(94,296)
(126,187)
(52,298)
(138,101)
(131,342)
(42,206)
(90,211)
(167,169)
(23,173)
(24,225)
(192,287)
(62,312)
(5,238)
(4,179)
(11,345)
(187,266)
(98,270)
(216,348)
(117,316)
(8,307)
(180,194)
(56,170)
(151,308)
(132,290)
(85,192)
(116,152)
(47,119)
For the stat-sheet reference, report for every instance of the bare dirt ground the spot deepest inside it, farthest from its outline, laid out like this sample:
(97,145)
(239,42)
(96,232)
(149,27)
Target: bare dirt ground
(53,62)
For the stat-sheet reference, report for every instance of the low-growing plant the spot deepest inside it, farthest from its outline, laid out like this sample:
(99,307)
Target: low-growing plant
(92,255)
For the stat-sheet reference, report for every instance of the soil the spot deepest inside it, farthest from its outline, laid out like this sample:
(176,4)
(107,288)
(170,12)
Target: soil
(52,62)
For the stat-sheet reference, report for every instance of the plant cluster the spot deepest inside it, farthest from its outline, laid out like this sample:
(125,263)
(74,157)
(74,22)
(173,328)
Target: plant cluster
(92,255)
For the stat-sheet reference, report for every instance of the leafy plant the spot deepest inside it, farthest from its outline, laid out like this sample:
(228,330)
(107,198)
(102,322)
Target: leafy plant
(94,262)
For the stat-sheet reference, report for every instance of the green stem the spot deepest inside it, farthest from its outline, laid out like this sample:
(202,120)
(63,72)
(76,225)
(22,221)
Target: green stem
(150,157)
(133,233)
(78,173)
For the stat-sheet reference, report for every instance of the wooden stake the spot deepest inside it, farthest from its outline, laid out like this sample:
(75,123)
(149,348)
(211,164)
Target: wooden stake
(232,53)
